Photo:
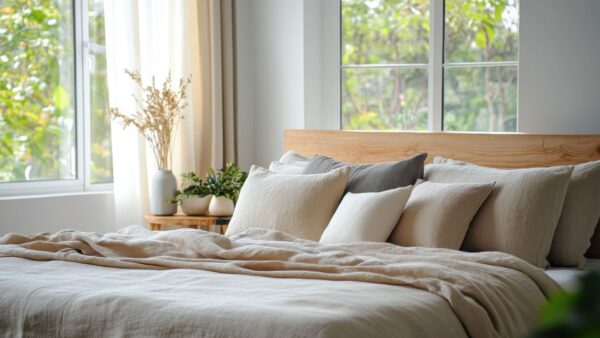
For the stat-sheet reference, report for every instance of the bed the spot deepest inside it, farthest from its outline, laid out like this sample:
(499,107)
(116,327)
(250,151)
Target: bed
(266,284)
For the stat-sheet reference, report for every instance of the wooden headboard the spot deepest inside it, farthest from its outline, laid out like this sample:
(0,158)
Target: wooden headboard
(499,150)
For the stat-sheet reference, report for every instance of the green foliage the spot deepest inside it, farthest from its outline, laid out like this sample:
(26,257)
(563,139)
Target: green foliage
(575,314)
(37,120)
(481,99)
(397,32)
(226,182)
(380,32)
(101,164)
(37,81)
(191,185)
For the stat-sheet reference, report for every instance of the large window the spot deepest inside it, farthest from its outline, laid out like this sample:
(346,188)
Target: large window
(54,127)
(429,64)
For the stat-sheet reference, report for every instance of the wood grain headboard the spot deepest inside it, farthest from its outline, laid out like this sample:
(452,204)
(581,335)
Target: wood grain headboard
(499,150)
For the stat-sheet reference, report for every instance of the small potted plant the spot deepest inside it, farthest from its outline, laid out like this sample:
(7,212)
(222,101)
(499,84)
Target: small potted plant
(194,195)
(225,186)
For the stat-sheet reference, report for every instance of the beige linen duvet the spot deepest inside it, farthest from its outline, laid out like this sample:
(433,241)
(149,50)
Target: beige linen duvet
(193,283)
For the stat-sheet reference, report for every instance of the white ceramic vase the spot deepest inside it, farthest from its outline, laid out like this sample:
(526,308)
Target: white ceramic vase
(164,187)
(220,206)
(195,205)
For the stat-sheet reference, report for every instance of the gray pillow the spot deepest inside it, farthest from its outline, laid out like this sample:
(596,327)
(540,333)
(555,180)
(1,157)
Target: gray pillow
(373,177)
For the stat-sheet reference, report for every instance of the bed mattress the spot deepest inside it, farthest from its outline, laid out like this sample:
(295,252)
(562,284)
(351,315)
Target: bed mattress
(567,277)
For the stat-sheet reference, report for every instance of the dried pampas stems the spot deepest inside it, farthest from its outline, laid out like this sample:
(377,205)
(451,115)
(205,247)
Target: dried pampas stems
(157,115)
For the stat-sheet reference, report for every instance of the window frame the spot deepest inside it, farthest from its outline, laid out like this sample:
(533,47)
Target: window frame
(82,182)
(435,67)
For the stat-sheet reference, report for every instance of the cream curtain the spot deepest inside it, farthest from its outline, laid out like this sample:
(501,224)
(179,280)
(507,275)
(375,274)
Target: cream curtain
(186,37)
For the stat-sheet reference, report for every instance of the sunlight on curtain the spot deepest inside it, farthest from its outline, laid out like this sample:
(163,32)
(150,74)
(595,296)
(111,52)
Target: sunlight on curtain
(186,37)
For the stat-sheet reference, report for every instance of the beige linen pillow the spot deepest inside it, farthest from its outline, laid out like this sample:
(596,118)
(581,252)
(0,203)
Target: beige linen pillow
(437,215)
(579,218)
(300,205)
(295,168)
(293,157)
(366,217)
(520,215)
(290,163)
(594,250)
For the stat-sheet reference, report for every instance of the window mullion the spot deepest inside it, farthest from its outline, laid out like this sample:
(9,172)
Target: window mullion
(83,90)
(436,60)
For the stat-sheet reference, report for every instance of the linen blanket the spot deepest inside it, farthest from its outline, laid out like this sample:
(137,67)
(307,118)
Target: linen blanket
(492,294)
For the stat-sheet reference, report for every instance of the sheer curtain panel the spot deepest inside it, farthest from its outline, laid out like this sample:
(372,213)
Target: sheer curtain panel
(184,37)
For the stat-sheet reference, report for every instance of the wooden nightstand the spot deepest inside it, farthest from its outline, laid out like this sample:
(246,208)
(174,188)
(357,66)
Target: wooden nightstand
(207,223)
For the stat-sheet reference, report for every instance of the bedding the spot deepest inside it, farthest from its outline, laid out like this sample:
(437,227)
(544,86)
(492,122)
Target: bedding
(367,216)
(579,217)
(290,163)
(594,250)
(287,168)
(320,290)
(520,215)
(437,215)
(300,205)
(293,157)
(77,300)
(373,177)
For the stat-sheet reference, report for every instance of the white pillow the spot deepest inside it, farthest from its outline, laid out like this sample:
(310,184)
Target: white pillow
(293,157)
(300,205)
(366,217)
(290,163)
(294,168)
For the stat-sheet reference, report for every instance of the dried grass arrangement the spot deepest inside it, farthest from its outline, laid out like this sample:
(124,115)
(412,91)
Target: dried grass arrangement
(157,114)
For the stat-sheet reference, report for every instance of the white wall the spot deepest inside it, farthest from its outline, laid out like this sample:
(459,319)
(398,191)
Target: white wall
(86,212)
(278,84)
(321,64)
(284,49)
(559,70)
(294,47)
(270,93)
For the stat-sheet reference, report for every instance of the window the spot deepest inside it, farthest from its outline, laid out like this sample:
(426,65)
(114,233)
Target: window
(429,64)
(54,126)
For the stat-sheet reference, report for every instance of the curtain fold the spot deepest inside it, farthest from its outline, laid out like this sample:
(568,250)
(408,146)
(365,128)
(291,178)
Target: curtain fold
(185,37)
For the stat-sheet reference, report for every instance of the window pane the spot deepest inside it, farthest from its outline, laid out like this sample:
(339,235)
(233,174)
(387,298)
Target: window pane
(480,99)
(37,116)
(101,156)
(486,30)
(384,99)
(385,31)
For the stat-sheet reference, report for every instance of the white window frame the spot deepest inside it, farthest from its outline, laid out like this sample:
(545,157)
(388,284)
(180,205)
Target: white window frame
(435,66)
(82,182)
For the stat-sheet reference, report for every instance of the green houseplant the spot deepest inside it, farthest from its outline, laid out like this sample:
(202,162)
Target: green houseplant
(194,195)
(574,314)
(225,185)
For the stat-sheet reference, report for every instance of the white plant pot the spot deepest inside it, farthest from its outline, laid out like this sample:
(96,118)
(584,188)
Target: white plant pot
(195,205)
(164,186)
(220,206)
